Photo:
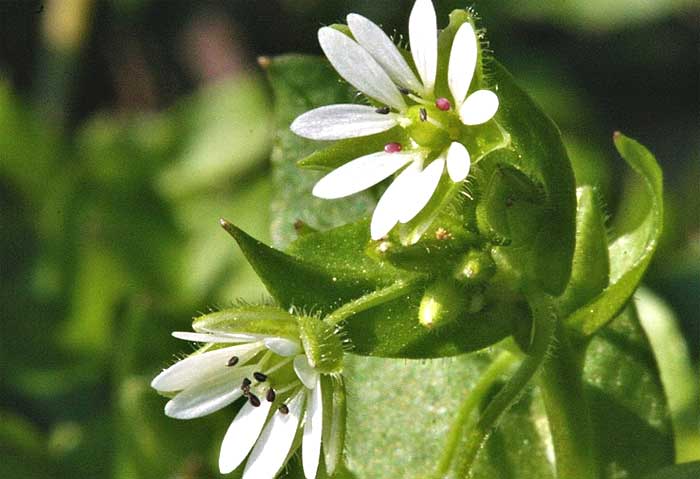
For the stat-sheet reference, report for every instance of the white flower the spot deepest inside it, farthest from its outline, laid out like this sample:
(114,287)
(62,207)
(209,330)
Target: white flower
(375,66)
(268,371)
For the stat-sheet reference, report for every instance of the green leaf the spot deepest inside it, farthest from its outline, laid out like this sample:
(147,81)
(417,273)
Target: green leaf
(590,272)
(400,413)
(677,373)
(627,402)
(632,250)
(536,150)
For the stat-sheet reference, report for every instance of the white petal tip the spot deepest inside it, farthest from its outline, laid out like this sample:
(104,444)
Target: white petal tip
(479,107)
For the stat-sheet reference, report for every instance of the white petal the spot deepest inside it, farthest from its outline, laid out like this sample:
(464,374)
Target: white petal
(305,372)
(358,68)
(360,174)
(422,32)
(417,193)
(462,63)
(386,213)
(206,397)
(241,435)
(458,162)
(276,440)
(198,367)
(311,443)
(379,45)
(336,122)
(479,107)
(213,338)
(282,346)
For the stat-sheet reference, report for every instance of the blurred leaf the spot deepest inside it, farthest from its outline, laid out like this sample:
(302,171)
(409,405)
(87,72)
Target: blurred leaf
(22,449)
(631,251)
(690,470)
(226,129)
(680,381)
(598,14)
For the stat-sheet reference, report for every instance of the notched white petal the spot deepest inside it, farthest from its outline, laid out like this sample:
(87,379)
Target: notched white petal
(379,45)
(422,32)
(275,442)
(359,174)
(358,68)
(213,338)
(420,189)
(313,429)
(198,367)
(458,162)
(479,107)
(386,213)
(307,374)
(337,122)
(282,346)
(241,435)
(463,57)
(206,397)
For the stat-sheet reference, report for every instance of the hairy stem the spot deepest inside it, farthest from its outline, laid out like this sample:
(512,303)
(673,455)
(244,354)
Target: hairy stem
(545,321)
(499,366)
(370,300)
(561,382)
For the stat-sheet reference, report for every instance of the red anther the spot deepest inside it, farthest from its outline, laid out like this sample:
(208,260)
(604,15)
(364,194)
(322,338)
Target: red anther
(443,104)
(392,147)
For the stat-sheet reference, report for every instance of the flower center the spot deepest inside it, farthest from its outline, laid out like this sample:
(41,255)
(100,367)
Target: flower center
(428,126)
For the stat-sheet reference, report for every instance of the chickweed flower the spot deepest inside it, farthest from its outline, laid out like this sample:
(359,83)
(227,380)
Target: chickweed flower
(285,368)
(372,63)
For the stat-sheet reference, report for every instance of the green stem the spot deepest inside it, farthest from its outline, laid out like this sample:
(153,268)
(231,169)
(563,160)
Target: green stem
(493,373)
(370,300)
(561,383)
(545,321)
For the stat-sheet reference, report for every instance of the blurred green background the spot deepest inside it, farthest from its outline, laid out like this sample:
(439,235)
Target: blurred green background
(128,127)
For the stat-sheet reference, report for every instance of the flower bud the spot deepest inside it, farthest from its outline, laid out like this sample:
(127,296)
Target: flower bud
(442,302)
(476,268)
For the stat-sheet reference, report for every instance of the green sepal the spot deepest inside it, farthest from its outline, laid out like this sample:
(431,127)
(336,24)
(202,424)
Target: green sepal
(535,149)
(249,319)
(323,348)
(590,273)
(476,267)
(631,252)
(343,151)
(334,418)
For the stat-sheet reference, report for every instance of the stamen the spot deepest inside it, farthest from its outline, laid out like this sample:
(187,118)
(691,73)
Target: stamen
(419,100)
(443,104)
(245,386)
(260,377)
(404,90)
(233,361)
(271,395)
(254,401)
(383,110)
(392,147)
(283,409)
(423,113)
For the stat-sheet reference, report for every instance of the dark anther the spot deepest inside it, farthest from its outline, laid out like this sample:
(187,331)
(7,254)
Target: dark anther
(383,110)
(233,361)
(423,114)
(271,395)
(283,409)
(245,385)
(254,401)
(260,377)
(405,91)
